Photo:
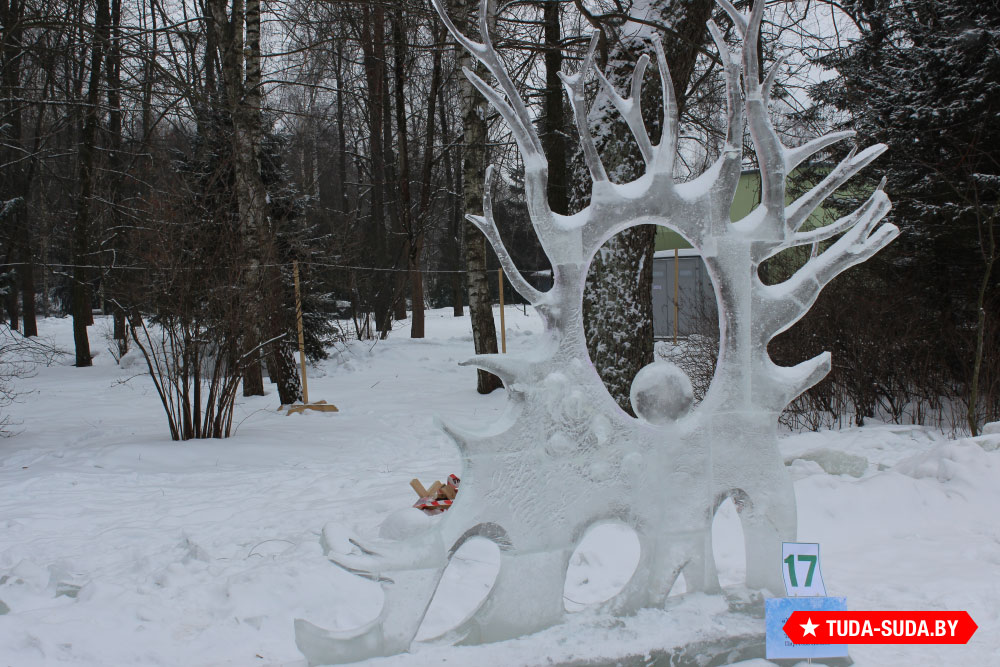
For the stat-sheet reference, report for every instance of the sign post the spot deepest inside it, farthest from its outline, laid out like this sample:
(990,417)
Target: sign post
(806,592)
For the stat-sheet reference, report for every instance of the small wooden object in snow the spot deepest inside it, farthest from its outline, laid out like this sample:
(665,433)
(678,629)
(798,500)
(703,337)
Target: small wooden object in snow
(319,406)
(436,498)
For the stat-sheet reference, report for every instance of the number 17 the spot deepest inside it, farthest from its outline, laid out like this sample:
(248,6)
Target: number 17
(790,561)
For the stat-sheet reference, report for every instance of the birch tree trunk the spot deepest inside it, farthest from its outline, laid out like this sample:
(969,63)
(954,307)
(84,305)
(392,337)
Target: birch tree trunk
(484,333)
(241,78)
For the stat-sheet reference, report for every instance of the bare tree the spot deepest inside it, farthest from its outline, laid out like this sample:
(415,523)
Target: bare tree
(474,132)
(82,312)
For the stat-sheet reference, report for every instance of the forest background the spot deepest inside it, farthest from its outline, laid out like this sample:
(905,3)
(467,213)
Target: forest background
(166,162)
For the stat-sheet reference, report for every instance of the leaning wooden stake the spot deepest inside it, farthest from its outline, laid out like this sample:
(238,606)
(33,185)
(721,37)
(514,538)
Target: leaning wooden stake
(302,340)
(321,406)
(503,328)
(677,278)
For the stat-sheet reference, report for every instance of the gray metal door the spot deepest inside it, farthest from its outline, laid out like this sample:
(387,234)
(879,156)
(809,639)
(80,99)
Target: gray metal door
(696,308)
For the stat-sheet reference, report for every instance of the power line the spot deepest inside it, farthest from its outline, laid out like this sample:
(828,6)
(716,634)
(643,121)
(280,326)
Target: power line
(49,265)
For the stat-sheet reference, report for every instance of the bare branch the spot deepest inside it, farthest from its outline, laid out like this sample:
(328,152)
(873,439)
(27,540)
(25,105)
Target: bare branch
(767,145)
(507,368)
(487,56)
(496,99)
(751,73)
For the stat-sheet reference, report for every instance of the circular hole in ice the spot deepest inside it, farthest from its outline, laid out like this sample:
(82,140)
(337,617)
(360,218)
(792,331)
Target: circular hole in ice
(601,565)
(727,544)
(696,347)
(463,588)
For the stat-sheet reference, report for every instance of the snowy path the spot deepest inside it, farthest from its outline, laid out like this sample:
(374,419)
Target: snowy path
(119,547)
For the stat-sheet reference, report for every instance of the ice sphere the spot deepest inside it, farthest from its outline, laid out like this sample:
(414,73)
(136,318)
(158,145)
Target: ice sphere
(661,393)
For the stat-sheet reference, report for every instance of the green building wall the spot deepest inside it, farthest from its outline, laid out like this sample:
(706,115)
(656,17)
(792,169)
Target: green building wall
(746,199)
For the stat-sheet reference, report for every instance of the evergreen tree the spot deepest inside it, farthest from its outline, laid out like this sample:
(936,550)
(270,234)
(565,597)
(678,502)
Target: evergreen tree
(924,78)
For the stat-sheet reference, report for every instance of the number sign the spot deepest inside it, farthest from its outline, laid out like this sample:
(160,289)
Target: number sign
(800,568)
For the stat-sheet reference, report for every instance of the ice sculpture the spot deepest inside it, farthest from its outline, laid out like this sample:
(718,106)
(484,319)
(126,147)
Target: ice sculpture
(564,442)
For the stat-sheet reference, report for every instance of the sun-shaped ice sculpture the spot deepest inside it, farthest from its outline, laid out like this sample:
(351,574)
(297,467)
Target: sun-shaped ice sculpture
(563,442)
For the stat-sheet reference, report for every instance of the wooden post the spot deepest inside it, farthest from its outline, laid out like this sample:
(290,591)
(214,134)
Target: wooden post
(319,406)
(677,280)
(302,343)
(503,329)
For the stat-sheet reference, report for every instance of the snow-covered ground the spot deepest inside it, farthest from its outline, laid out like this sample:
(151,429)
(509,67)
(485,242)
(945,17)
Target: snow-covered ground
(119,547)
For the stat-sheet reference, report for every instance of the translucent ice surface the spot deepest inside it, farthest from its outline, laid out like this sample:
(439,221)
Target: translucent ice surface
(661,393)
(564,457)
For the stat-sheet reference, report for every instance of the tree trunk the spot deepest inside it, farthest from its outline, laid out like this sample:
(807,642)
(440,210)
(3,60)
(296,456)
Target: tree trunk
(281,362)
(281,365)
(113,67)
(13,313)
(16,178)
(618,309)
(254,217)
(10,302)
(82,314)
(373,47)
(26,273)
(453,177)
(416,289)
(417,244)
(341,137)
(241,74)
(484,334)
(989,245)
(554,128)
(395,245)
(404,219)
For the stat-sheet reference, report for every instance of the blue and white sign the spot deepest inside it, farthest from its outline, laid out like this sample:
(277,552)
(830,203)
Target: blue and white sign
(801,571)
(778,645)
